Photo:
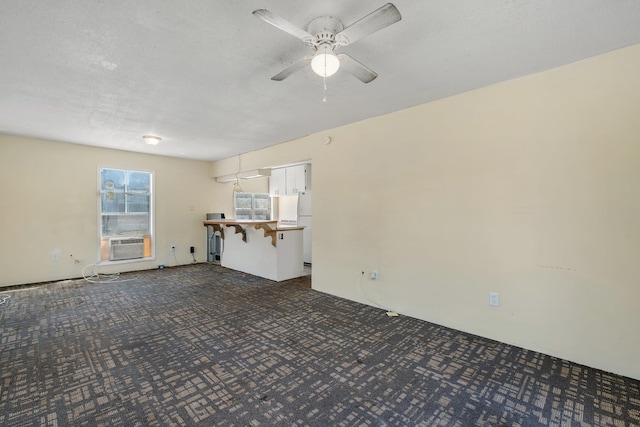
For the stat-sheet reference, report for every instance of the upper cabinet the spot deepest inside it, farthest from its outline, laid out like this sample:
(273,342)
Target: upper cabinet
(290,181)
(278,182)
(296,179)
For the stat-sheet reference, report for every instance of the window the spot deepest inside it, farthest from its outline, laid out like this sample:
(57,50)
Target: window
(254,206)
(126,213)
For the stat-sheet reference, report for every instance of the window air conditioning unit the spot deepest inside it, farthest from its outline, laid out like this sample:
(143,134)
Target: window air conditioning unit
(126,248)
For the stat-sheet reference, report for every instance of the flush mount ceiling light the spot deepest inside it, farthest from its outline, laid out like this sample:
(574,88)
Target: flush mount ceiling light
(325,63)
(151,139)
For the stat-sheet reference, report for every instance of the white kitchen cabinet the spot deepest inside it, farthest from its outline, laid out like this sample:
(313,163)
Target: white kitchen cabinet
(278,182)
(296,182)
(290,181)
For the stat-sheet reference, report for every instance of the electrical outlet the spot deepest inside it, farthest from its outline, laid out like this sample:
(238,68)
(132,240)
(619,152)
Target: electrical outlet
(54,255)
(192,249)
(494,299)
(374,275)
(173,248)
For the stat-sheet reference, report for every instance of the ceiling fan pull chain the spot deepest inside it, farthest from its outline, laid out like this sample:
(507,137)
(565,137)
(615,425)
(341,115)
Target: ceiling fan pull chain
(324,91)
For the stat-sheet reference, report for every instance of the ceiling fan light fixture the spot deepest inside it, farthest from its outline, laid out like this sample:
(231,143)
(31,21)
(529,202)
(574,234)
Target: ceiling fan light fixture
(325,63)
(151,139)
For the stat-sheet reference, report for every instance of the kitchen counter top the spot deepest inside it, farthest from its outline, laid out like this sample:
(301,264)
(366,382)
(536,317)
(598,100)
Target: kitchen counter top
(238,221)
(256,223)
(270,227)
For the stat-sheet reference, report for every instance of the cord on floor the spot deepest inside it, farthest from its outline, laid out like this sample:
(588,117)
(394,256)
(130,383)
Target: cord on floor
(4,298)
(96,277)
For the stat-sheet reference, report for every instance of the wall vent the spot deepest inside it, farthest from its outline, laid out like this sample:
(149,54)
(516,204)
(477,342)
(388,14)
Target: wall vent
(126,248)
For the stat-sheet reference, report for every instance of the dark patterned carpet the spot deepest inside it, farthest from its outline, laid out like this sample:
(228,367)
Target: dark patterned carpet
(203,345)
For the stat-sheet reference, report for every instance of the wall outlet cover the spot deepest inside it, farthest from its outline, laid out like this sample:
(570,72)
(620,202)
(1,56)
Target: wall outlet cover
(494,299)
(54,255)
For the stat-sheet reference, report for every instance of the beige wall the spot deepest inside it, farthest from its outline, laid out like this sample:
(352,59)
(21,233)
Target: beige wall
(49,201)
(528,188)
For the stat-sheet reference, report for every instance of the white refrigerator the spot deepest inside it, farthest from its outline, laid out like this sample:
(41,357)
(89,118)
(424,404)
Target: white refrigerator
(296,210)
(304,220)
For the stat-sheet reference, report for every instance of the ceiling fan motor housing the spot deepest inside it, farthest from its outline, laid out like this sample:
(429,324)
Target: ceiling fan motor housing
(324,29)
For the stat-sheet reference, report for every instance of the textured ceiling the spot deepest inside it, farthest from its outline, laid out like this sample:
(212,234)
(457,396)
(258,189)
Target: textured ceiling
(197,73)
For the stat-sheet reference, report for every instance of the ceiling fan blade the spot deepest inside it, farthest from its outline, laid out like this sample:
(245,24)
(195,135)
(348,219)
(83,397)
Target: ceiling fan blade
(375,21)
(282,23)
(292,68)
(361,72)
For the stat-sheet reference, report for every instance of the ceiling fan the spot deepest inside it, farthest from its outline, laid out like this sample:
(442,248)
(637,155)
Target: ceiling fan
(325,34)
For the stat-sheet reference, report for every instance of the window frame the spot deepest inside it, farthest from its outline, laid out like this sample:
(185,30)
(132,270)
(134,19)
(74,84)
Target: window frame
(150,252)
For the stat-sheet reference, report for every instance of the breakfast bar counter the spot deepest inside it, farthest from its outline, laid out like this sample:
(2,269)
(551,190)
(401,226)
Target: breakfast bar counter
(261,248)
